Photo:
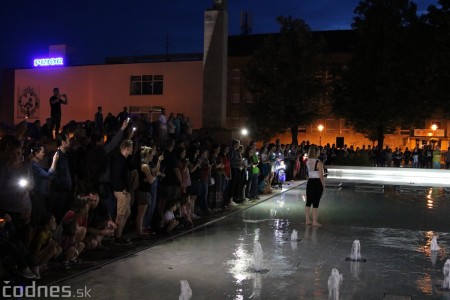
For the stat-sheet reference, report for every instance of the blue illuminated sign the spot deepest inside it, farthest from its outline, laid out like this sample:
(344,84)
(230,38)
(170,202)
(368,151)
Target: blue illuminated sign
(48,62)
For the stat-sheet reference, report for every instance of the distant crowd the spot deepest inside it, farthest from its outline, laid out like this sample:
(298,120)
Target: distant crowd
(428,156)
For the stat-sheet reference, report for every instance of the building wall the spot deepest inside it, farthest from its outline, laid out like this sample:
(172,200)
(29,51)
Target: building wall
(109,86)
(6,96)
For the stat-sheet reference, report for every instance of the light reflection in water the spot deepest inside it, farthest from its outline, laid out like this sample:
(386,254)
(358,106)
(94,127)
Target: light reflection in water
(257,285)
(426,249)
(425,284)
(238,267)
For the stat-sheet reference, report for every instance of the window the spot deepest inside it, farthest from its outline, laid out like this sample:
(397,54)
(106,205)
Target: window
(331,125)
(344,126)
(146,85)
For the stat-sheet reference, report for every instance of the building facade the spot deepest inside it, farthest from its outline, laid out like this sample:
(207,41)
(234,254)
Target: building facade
(208,87)
(176,86)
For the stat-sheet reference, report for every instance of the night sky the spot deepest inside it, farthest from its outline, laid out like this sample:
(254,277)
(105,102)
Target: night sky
(102,28)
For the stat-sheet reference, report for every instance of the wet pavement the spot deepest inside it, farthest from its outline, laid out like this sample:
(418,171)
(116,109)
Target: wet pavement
(394,224)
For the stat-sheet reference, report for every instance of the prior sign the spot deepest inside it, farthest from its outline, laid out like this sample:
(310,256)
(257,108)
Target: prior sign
(47,62)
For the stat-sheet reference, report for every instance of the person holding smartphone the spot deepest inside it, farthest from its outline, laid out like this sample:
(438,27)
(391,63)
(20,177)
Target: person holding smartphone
(55,109)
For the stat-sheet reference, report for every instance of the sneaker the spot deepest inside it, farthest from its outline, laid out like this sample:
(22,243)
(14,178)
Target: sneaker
(122,241)
(232,203)
(27,273)
(194,216)
(65,265)
(75,261)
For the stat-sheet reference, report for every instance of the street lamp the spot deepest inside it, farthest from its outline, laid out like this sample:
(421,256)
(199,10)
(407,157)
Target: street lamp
(320,127)
(434,127)
(244,133)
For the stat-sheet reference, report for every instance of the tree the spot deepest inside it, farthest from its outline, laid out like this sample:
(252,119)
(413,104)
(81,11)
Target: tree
(438,19)
(384,85)
(282,78)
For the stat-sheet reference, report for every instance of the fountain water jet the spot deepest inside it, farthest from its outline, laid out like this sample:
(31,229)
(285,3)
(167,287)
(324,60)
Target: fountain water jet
(446,284)
(186,291)
(355,255)
(257,256)
(356,250)
(334,281)
(294,236)
(434,244)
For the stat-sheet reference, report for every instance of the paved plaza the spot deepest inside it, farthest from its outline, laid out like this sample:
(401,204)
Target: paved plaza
(394,224)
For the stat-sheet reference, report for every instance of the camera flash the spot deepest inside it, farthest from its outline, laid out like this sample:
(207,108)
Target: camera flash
(23,182)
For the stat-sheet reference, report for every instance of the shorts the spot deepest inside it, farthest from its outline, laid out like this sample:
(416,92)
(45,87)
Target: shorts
(314,190)
(144,198)
(123,203)
(196,188)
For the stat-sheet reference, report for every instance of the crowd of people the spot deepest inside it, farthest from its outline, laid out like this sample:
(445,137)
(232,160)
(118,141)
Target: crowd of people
(69,193)
(428,156)
(91,183)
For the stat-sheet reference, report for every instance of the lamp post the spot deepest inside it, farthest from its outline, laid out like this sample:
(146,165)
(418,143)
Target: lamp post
(244,133)
(434,127)
(320,128)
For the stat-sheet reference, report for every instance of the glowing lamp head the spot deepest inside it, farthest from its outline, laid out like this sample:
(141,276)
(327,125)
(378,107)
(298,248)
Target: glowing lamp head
(23,182)
(244,131)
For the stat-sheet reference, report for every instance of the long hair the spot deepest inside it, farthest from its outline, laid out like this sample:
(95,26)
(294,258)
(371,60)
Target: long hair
(146,153)
(313,151)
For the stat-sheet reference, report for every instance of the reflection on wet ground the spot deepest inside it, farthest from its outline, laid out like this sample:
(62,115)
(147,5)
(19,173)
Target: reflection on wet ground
(395,228)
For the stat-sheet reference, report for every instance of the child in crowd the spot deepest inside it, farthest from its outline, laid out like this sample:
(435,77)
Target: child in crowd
(264,186)
(73,232)
(170,222)
(43,246)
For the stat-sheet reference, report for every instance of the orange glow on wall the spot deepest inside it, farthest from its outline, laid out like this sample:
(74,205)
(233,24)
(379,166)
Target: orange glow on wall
(109,86)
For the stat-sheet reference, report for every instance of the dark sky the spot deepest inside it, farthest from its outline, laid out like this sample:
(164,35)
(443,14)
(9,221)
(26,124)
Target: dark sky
(100,28)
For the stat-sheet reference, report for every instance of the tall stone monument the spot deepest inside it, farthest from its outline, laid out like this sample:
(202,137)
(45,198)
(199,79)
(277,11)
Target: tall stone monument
(215,54)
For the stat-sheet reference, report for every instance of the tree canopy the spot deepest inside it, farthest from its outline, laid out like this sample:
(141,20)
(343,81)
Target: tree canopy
(282,78)
(384,85)
(438,35)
